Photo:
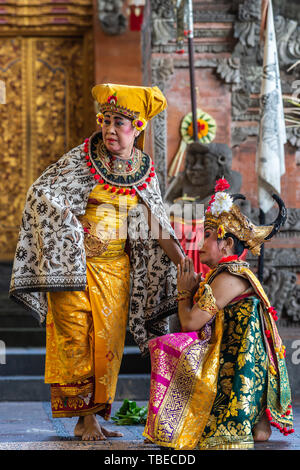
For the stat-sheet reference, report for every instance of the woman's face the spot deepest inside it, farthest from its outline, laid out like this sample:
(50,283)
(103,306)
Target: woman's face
(211,251)
(118,134)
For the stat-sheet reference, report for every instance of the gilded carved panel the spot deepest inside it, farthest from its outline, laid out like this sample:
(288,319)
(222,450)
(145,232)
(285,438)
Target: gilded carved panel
(13,174)
(45,13)
(48,111)
(58,108)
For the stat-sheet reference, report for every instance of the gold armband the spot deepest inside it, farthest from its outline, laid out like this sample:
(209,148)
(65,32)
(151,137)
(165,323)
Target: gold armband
(183,294)
(207,302)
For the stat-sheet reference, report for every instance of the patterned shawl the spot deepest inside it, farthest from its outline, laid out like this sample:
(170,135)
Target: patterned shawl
(50,253)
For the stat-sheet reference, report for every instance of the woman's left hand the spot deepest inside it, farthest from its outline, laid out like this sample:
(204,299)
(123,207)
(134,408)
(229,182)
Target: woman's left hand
(187,279)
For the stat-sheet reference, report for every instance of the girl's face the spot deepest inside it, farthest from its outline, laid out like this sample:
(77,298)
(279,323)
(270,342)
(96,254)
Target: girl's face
(118,134)
(212,250)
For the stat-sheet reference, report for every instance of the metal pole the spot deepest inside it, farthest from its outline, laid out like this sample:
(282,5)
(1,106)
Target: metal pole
(192,69)
(260,273)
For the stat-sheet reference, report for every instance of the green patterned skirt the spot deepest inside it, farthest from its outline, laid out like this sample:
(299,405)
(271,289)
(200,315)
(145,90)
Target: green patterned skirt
(242,381)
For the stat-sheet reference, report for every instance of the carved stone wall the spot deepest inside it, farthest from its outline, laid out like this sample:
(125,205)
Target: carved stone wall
(215,38)
(233,27)
(227,49)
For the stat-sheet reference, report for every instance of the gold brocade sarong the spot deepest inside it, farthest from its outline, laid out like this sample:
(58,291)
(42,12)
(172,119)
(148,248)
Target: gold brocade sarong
(210,388)
(86,329)
(184,375)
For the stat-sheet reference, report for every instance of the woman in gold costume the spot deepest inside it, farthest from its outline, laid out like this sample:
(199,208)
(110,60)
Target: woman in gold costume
(71,266)
(222,382)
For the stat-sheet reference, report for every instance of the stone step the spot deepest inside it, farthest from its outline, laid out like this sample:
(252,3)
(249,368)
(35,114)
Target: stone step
(23,337)
(33,388)
(18,327)
(15,319)
(31,361)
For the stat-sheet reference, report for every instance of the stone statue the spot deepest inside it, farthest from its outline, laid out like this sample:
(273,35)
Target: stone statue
(204,164)
(112,20)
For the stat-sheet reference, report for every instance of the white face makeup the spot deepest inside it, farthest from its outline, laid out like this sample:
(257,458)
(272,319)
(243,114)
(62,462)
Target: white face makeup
(118,135)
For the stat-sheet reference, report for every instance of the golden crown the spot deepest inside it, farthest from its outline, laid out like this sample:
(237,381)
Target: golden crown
(226,217)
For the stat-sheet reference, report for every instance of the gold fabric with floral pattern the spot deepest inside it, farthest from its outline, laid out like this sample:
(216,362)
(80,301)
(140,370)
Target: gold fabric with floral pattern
(224,380)
(86,329)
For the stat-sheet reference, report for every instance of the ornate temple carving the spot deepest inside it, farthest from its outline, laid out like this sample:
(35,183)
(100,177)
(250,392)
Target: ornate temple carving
(234,28)
(162,69)
(280,286)
(39,14)
(111,16)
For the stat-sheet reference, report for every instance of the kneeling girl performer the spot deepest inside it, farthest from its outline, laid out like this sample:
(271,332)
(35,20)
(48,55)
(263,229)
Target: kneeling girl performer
(222,381)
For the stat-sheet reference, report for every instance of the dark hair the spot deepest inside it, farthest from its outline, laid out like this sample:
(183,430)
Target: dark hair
(238,245)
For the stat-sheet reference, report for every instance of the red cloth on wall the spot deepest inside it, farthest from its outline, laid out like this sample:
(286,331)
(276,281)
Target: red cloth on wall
(190,236)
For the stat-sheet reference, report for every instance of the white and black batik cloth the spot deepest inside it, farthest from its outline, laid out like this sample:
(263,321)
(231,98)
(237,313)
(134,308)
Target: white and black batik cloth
(270,164)
(50,253)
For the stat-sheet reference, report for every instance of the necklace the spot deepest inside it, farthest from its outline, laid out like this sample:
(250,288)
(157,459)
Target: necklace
(117,165)
(117,174)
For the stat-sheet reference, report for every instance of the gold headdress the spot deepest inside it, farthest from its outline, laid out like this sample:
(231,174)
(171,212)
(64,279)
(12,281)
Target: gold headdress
(226,217)
(135,102)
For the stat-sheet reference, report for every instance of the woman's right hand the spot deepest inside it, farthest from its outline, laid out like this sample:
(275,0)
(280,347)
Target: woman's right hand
(187,279)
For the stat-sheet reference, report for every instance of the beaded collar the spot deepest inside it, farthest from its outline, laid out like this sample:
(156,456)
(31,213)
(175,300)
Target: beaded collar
(137,171)
(233,261)
(118,166)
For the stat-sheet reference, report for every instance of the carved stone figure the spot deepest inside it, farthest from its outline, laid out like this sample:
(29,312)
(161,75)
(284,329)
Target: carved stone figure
(279,286)
(111,18)
(292,305)
(204,164)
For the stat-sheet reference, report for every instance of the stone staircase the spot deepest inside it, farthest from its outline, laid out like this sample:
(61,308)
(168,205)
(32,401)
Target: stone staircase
(22,374)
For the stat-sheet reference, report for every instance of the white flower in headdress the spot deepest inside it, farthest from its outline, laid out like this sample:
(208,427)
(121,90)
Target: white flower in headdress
(222,202)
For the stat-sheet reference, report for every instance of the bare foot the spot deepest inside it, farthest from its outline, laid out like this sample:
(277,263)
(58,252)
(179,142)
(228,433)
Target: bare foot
(79,428)
(91,430)
(262,430)
(108,433)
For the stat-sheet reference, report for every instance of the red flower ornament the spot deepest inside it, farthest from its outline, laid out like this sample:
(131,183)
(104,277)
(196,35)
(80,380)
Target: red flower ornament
(112,99)
(221,185)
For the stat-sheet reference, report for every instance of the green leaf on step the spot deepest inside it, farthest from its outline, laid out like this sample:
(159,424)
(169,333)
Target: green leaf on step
(130,414)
